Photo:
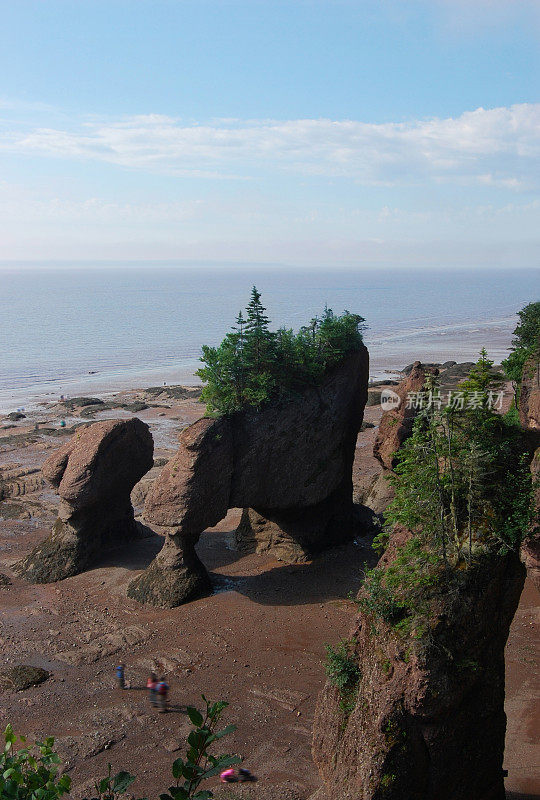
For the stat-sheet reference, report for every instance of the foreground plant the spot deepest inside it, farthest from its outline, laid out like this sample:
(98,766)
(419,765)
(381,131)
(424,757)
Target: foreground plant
(30,772)
(199,764)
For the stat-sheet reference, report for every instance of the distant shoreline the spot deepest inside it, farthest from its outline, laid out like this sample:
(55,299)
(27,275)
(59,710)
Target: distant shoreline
(108,385)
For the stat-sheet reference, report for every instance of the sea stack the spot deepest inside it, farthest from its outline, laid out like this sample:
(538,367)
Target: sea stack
(426,720)
(93,474)
(291,461)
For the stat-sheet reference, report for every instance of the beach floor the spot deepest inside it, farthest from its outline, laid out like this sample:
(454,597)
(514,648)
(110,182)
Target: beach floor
(257,642)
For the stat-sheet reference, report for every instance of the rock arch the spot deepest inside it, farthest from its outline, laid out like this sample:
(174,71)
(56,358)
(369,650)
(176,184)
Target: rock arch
(291,462)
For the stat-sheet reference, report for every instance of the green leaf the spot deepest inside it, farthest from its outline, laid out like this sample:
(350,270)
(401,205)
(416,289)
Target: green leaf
(177,768)
(225,732)
(195,716)
(122,781)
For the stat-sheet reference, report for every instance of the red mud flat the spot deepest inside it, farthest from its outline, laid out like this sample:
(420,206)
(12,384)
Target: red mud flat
(258,642)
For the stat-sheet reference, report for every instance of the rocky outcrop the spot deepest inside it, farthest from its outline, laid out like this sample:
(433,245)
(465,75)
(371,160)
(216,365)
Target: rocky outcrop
(256,534)
(397,422)
(19,481)
(529,394)
(22,677)
(427,720)
(530,549)
(529,414)
(93,474)
(291,462)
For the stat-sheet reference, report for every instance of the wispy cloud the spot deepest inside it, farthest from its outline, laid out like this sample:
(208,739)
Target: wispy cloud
(497,147)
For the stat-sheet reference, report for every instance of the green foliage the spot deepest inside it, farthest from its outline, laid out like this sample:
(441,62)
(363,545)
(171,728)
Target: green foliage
(199,764)
(342,671)
(31,771)
(112,787)
(463,477)
(526,340)
(463,488)
(399,594)
(341,667)
(253,364)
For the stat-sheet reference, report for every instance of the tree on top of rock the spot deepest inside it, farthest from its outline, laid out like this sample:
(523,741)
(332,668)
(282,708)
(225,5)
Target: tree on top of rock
(253,364)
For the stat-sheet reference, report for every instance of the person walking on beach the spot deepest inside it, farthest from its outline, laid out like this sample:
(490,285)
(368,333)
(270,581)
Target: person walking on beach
(162,694)
(151,685)
(120,679)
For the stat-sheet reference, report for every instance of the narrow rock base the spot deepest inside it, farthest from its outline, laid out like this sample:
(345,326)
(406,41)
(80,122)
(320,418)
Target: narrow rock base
(174,577)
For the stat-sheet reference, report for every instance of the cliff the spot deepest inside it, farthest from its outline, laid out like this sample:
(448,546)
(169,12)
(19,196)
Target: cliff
(397,423)
(291,462)
(426,721)
(529,414)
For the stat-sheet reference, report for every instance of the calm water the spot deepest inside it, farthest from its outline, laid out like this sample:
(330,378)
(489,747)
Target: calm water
(138,327)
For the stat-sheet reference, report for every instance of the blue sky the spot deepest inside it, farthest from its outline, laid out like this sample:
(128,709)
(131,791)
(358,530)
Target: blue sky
(304,132)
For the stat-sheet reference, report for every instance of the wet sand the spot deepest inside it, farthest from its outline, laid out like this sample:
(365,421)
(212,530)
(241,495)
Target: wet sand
(257,642)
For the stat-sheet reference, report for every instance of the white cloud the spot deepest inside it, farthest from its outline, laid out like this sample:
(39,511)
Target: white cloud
(496,147)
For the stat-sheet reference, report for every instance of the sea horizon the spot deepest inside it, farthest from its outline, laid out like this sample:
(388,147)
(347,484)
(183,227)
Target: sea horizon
(84,331)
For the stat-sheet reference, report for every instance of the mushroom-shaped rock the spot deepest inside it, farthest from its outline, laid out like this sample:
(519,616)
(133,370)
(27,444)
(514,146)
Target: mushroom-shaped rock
(291,461)
(397,422)
(93,474)
(190,494)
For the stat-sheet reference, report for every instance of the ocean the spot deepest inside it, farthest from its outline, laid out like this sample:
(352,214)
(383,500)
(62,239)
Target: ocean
(83,331)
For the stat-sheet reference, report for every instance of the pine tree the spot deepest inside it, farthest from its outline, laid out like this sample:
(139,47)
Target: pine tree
(526,341)
(258,336)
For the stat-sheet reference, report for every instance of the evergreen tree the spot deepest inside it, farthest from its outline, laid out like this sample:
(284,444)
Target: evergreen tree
(462,477)
(253,364)
(258,336)
(526,341)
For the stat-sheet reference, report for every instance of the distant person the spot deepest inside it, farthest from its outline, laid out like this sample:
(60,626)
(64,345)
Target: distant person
(120,678)
(151,685)
(228,776)
(232,776)
(162,695)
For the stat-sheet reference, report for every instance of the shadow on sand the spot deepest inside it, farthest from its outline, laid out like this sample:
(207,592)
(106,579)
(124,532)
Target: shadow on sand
(334,574)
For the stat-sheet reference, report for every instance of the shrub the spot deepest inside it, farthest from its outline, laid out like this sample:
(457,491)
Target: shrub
(31,771)
(341,667)
(342,671)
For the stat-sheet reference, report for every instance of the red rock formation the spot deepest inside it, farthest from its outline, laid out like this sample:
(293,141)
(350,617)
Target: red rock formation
(529,414)
(291,461)
(529,396)
(396,423)
(94,474)
(256,534)
(427,721)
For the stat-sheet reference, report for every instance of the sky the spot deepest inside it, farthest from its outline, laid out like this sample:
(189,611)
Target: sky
(296,132)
